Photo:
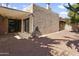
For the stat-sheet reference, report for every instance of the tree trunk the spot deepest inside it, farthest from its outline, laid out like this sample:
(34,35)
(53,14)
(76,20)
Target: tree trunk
(75,27)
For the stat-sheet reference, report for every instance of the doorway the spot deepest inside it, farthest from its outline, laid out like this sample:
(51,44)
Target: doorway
(26,22)
(14,25)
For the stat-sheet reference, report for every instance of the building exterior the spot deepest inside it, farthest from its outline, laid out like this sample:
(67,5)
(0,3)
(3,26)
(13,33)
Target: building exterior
(62,23)
(35,18)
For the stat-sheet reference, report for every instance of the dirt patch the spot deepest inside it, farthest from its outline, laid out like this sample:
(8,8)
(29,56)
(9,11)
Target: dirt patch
(40,46)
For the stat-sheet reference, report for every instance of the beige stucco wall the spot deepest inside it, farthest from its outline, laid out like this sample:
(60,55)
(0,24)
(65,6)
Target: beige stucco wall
(46,21)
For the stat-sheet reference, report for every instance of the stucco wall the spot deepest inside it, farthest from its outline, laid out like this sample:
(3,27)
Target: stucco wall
(4,26)
(45,20)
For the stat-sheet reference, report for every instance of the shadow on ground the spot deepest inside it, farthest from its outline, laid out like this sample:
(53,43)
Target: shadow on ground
(22,47)
(11,46)
(25,47)
(75,43)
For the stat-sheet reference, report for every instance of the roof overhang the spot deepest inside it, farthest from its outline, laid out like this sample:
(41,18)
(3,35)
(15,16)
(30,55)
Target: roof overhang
(13,13)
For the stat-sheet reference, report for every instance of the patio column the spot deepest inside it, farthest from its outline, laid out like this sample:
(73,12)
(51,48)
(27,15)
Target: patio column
(22,26)
(31,24)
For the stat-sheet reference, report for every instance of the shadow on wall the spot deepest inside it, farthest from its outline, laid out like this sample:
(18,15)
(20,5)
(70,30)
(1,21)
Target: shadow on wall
(36,32)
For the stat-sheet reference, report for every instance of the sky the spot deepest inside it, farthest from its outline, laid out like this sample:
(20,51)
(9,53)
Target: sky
(55,7)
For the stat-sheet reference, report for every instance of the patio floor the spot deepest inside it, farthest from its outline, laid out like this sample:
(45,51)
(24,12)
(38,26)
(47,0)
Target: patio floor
(59,43)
